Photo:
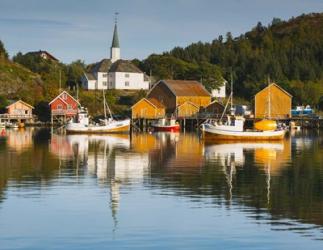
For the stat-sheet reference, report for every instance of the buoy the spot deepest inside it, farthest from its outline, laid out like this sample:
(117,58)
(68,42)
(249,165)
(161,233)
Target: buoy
(266,125)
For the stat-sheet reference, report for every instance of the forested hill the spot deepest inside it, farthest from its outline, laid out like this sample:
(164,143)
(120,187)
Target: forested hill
(289,52)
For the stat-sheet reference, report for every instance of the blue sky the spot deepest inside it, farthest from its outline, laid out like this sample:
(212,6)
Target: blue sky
(82,29)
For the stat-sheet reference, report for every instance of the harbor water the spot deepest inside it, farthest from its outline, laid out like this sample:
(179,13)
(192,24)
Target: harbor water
(159,191)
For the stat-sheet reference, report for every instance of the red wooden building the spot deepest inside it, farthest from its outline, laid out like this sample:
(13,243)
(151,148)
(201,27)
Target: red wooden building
(63,107)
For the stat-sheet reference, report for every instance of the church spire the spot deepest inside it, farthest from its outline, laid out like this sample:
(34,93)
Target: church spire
(115,47)
(115,40)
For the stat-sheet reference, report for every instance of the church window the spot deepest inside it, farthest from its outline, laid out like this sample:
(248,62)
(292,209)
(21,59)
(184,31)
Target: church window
(127,75)
(126,83)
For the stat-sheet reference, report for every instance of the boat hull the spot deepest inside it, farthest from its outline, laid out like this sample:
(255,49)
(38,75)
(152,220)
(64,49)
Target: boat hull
(171,128)
(214,134)
(116,127)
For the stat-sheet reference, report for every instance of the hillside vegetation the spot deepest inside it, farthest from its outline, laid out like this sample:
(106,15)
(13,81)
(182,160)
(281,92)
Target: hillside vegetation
(289,52)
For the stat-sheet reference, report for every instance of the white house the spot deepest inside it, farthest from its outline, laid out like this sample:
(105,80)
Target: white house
(114,73)
(219,92)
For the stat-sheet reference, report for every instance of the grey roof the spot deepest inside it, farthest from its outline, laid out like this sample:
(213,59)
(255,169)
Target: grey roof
(124,66)
(102,66)
(89,76)
(115,40)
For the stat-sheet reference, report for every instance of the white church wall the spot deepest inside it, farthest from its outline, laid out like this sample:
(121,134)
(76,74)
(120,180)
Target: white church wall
(124,80)
(102,79)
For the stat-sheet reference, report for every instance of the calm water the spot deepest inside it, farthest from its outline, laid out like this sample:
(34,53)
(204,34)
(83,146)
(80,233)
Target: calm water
(159,191)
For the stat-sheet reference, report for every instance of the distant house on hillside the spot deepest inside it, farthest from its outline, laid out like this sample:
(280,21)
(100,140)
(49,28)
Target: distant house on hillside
(43,54)
(63,106)
(273,101)
(114,73)
(219,92)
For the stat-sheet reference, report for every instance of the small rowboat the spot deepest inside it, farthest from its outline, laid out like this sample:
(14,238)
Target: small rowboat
(169,125)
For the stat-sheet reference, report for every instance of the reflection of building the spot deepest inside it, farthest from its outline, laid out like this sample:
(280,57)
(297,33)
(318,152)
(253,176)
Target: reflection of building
(19,140)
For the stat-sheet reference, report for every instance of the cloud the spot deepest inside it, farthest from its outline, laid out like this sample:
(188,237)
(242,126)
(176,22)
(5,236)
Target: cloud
(35,22)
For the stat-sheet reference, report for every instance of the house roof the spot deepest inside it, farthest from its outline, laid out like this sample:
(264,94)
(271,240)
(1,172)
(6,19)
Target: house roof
(152,101)
(185,87)
(276,85)
(155,102)
(89,76)
(215,102)
(24,103)
(124,66)
(59,97)
(39,52)
(102,66)
(187,102)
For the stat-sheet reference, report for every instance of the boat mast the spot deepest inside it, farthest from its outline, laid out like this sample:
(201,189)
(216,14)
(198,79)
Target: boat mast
(231,95)
(269,99)
(104,107)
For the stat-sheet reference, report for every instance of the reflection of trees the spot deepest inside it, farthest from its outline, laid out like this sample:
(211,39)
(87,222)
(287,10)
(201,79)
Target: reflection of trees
(270,179)
(35,164)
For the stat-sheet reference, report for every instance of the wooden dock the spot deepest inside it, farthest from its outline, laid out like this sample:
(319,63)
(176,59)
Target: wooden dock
(193,122)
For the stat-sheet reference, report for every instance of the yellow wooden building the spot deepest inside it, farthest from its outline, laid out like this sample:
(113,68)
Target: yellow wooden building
(147,108)
(274,102)
(187,109)
(174,93)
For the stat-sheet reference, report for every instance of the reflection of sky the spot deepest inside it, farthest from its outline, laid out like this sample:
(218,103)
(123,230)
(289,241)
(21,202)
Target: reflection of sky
(78,217)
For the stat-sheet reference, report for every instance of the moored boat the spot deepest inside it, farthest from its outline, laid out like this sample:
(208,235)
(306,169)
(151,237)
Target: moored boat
(235,131)
(168,125)
(82,125)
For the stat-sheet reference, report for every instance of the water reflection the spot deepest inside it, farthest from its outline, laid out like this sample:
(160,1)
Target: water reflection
(275,183)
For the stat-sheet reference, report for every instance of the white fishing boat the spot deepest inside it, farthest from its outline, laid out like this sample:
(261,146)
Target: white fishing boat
(233,128)
(11,125)
(81,123)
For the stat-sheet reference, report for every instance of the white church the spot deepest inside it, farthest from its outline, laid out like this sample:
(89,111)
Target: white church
(114,73)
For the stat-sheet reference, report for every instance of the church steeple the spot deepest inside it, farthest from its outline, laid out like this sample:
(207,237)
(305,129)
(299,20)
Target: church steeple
(115,40)
(115,47)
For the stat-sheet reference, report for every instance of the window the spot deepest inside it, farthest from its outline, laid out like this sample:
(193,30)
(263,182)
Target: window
(105,75)
(59,106)
(104,83)
(69,106)
(26,112)
(64,96)
(127,75)
(126,84)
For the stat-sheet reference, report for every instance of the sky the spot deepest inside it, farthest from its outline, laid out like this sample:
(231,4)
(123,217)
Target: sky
(83,29)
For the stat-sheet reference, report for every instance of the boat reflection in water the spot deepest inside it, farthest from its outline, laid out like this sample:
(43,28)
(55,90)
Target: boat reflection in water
(271,156)
(103,157)
(260,188)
